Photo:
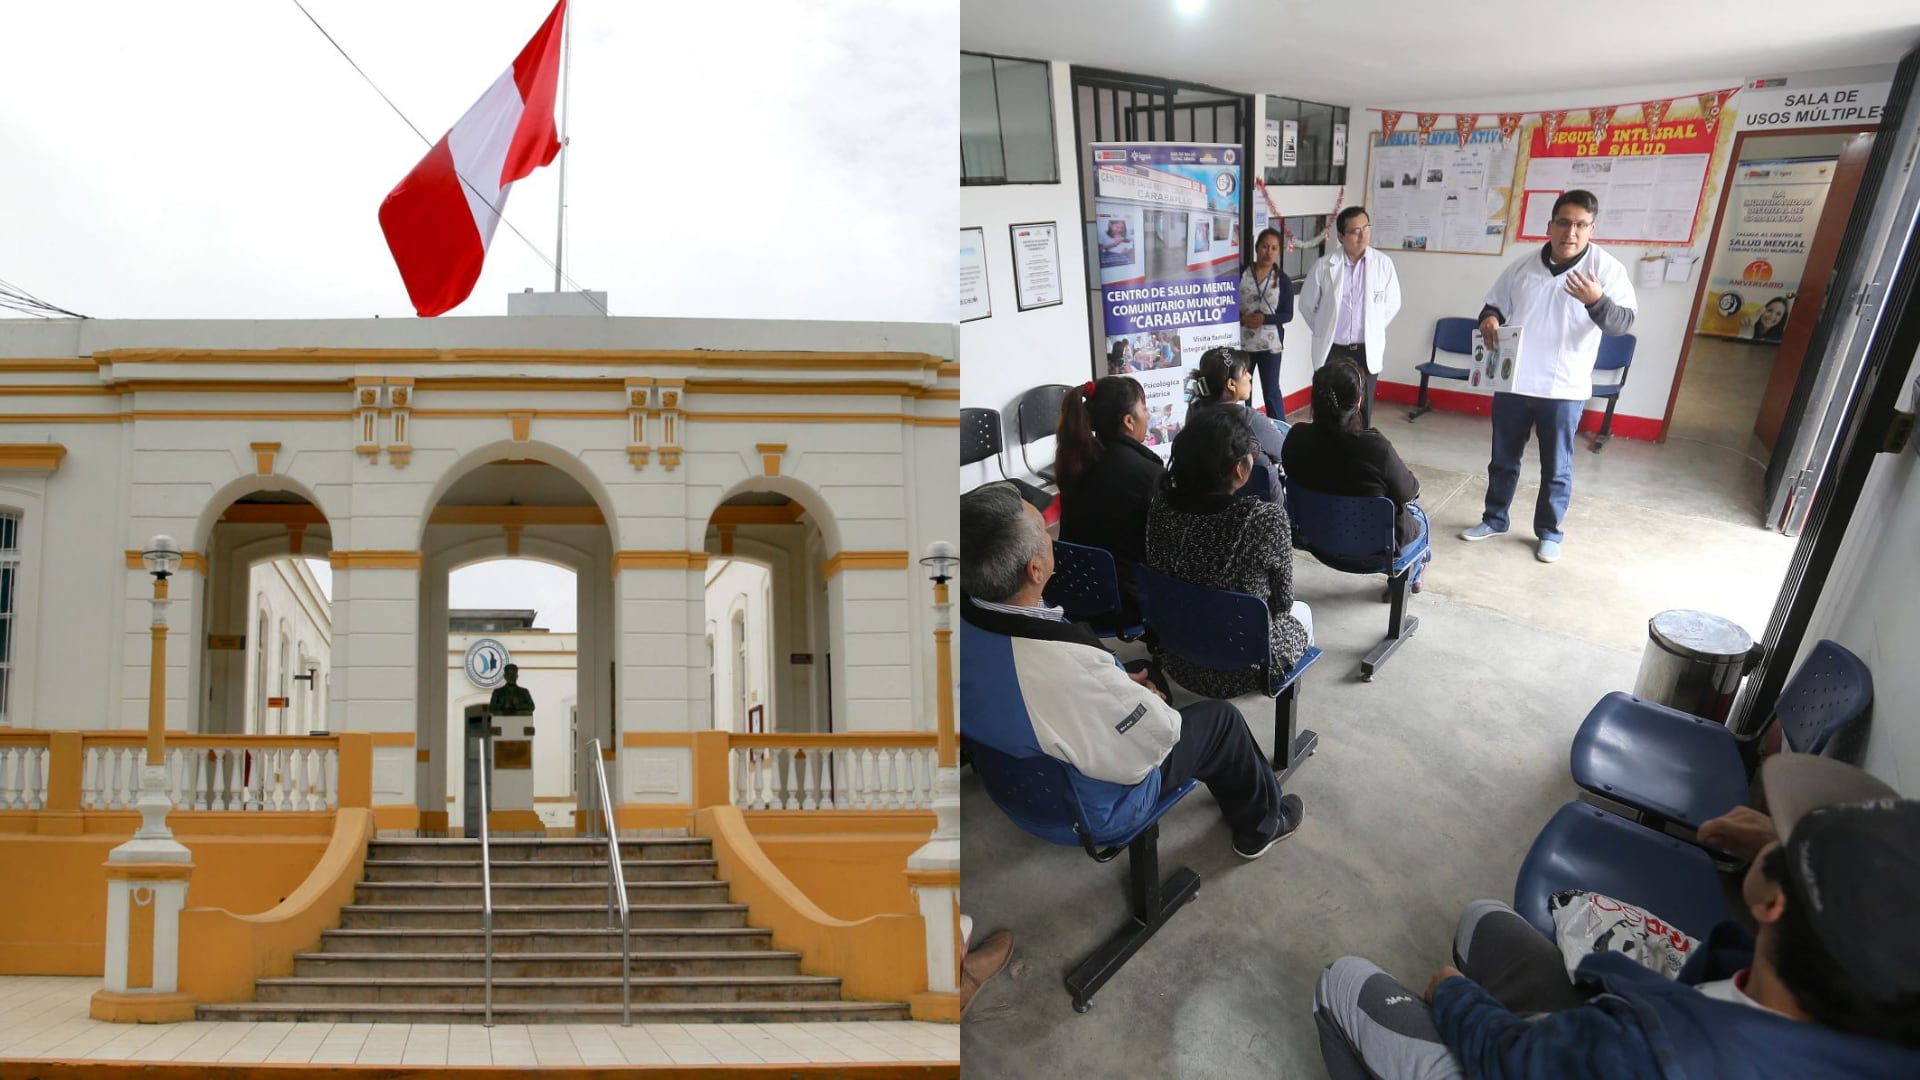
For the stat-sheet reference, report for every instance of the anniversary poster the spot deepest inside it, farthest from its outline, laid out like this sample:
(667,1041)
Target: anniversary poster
(1773,209)
(1167,219)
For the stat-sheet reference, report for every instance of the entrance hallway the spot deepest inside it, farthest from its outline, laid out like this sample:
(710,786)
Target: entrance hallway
(1720,395)
(1429,783)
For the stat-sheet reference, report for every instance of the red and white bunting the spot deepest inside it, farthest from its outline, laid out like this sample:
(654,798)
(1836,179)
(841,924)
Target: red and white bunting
(1463,125)
(1425,122)
(1389,119)
(1654,112)
(1601,117)
(1510,125)
(1551,122)
(1711,103)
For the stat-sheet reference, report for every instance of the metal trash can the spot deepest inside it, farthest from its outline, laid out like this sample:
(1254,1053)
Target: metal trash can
(1694,662)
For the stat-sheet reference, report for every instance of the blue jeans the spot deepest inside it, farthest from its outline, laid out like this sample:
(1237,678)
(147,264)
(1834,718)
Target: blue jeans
(1268,365)
(1514,416)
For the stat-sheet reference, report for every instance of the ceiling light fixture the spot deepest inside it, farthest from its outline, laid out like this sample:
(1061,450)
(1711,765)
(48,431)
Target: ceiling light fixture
(1189,7)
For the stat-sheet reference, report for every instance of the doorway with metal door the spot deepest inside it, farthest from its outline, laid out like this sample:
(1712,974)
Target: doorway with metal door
(1111,106)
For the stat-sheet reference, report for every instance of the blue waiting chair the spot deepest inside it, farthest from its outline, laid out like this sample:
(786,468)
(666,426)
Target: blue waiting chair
(1086,585)
(1450,335)
(1356,534)
(1036,793)
(1227,631)
(1668,766)
(1260,482)
(1616,354)
(1584,847)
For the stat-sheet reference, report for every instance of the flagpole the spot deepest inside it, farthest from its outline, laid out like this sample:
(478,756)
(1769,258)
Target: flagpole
(566,91)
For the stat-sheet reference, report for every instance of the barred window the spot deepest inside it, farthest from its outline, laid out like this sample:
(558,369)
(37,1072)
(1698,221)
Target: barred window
(9,601)
(1006,122)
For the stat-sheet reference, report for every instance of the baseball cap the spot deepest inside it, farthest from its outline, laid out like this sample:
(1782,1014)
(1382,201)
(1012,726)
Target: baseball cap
(1853,864)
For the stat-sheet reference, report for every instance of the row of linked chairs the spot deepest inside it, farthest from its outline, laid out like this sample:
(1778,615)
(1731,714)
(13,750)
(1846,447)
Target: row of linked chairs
(1213,628)
(1455,336)
(1663,772)
(1035,416)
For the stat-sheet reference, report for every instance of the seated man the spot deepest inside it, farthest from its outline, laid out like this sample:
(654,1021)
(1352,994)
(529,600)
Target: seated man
(1831,987)
(1031,681)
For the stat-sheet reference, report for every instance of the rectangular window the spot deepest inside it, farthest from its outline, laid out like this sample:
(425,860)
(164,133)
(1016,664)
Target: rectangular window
(1315,141)
(1304,231)
(1006,122)
(9,600)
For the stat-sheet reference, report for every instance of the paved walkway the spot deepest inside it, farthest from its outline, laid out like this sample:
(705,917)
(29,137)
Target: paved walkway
(45,1017)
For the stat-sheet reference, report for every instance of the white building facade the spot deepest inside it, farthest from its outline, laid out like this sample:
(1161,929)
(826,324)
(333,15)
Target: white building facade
(635,452)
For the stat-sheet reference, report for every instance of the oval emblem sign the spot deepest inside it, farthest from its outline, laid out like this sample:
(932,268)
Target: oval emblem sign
(487,662)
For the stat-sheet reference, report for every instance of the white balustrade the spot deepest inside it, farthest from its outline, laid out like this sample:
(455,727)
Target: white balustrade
(833,777)
(223,776)
(23,777)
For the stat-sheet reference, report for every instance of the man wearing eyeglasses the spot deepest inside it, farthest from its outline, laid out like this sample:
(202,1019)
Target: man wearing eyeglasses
(1563,298)
(1348,299)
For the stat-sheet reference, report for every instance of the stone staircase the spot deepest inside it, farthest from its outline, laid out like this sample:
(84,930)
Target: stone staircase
(409,949)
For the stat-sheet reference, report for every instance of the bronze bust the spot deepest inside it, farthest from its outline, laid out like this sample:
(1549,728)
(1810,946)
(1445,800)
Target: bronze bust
(510,698)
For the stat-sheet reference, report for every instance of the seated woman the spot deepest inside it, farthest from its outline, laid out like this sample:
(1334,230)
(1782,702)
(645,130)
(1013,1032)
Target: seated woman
(1335,455)
(1224,380)
(1200,532)
(1107,476)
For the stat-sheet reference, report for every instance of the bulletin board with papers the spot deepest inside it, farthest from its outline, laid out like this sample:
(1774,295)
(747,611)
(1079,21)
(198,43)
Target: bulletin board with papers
(1650,180)
(1440,195)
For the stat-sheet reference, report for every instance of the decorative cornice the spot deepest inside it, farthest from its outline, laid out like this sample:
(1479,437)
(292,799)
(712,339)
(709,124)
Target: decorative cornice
(374,560)
(864,560)
(31,457)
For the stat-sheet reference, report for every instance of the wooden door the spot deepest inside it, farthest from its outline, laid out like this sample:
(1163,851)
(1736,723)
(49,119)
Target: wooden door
(1841,194)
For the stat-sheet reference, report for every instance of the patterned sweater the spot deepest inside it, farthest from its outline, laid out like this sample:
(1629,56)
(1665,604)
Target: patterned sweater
(1241,545)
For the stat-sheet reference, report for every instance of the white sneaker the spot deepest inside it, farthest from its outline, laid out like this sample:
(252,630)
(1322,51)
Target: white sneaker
(1480,532)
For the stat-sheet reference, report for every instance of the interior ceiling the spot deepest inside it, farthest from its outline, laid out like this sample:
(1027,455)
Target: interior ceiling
(504,483)
(1411,53)
(758,498)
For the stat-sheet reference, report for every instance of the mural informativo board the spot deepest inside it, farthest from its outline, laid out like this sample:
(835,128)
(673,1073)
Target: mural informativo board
(1167,220)
(1649,180)
(1440,195)
(1773,210)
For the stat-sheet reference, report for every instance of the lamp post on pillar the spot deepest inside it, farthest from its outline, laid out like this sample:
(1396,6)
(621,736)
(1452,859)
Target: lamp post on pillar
(149,872)
(934,870)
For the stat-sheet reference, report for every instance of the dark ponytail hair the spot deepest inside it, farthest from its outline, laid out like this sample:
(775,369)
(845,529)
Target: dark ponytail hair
(1088,413)
(1336,395)
(1218,366)
(1206,452)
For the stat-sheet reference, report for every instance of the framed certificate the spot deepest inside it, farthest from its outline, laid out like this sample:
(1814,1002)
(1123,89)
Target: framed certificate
(975,300)
(1036,264)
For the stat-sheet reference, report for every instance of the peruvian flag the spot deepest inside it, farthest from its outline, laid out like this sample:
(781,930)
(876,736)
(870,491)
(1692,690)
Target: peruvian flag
(440,218)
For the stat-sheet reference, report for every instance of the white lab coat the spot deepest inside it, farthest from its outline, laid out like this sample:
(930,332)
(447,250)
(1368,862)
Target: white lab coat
(1320,303)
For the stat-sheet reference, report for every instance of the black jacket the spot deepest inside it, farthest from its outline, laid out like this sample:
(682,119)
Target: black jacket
(1339,462)
(1106,507)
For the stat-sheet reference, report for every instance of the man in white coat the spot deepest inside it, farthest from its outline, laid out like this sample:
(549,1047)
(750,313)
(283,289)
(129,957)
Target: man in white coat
(1563,297)
(1348,299)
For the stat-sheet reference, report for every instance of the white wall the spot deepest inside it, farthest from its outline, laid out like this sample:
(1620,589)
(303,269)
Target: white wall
(289,597)
(1016,350)
(743,590)
(1436,285)
(549,671)
(1868,606)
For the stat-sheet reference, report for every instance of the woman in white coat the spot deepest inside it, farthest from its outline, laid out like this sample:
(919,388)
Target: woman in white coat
(1348,299)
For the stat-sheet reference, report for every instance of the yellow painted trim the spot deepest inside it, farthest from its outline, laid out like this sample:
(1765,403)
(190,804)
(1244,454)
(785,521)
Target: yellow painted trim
(939,879)
(32,457)
(553,798)
(651,815)
(864,560)
(698,358)
(731,515)
(656,738)
(835,740)
(851,824)
(138,1008)
(814,388)
(770,455)
(374,560)
(222,953)
(423,754)
(10,366)
(659,560)
(935,1008)
(401,816)
(934,421)
(263,455)
(433,821)
(802,418)
(517,515)
(880,958)
(130,871)
(950,370)
(392,738)
(189,560)
(514,821)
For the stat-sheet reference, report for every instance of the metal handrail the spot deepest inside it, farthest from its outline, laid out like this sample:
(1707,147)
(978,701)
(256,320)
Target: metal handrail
(486,878)
(616,882)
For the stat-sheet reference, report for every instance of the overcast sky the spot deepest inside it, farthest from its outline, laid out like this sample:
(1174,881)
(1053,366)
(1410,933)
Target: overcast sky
(218,159)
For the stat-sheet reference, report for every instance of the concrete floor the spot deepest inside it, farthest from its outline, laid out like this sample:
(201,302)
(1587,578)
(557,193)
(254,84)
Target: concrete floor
(1429,784)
